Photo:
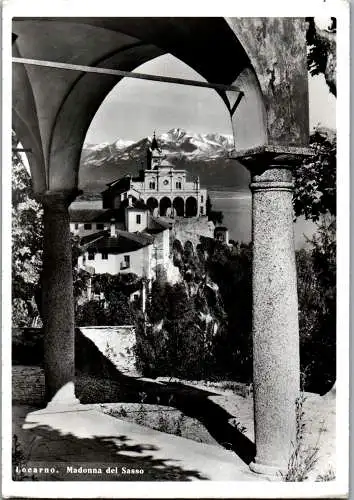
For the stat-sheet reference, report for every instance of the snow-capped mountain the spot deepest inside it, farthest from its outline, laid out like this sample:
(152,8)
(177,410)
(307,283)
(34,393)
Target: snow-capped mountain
(176,144)
(203,155)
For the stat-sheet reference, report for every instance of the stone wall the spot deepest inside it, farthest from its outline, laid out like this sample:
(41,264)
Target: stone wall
(190,229)
(27,385)
(104,361)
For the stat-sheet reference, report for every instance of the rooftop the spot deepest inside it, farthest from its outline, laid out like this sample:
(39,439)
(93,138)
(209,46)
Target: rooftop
(95,215)
(123,242)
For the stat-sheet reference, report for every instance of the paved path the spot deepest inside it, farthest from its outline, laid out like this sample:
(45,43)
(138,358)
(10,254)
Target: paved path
(65,440)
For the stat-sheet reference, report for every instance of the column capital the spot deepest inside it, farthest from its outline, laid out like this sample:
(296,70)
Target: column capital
(262,158)
(58,200)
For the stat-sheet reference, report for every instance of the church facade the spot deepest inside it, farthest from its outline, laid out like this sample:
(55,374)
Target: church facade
(165,190)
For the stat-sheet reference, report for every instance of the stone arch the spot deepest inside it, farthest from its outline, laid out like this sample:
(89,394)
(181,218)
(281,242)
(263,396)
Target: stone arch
(152,203)
(177,245)
(188,248)
(178,205)
(177,252)
(26,126)
(79,95)
(261,52)
(165,206)
(191,207)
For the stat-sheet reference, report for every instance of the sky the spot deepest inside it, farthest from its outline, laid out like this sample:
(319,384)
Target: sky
(135,108)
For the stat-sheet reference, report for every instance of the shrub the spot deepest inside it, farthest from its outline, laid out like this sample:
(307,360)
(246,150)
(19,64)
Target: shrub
(91,313)
(302,460)
(329,475)
(231,271)
(27,346)
(317,308)
(115,308)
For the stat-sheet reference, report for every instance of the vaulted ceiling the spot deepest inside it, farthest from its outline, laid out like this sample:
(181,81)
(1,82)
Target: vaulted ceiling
(53,108)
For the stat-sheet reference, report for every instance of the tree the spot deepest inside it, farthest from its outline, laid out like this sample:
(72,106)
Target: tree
(91,313)
(315,179)
(322,51)
(27,232)
(193,328)
(315,198)
(231,271)
(116,289)
(119,310)
(316,272)
(27,242)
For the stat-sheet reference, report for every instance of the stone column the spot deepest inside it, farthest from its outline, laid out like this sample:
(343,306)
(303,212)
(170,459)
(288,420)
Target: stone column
(57,299)
(275,319)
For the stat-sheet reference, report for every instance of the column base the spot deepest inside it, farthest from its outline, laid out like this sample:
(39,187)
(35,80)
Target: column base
(273,471)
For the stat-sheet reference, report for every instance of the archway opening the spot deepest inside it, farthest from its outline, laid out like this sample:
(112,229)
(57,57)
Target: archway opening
(152,204)
(191,207)
(165,206)
(177,252)
(178,205)
(188,249)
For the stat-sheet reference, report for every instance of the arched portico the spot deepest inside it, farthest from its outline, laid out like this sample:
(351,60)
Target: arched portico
(53,110)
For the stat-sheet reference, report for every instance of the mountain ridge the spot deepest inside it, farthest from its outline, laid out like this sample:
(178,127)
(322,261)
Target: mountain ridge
(203,155)
(176,142)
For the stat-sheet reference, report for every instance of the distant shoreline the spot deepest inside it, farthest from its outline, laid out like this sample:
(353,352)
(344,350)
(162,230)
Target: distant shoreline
(229,192)
(236,206)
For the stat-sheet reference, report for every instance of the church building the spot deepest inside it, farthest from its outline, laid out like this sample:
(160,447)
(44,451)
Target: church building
(165,190)
(131,232)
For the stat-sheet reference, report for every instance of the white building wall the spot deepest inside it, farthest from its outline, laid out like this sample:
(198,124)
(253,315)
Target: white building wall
(161,247)
(134,191)
(140,262)
(78,228)
(166,246)
(131,222)
(148,263)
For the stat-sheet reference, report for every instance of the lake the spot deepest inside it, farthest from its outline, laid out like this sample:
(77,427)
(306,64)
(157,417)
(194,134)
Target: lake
(237,210)
(236,207)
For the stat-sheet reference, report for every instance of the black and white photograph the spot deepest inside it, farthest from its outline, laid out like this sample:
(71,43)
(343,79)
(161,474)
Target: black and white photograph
(171,203)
